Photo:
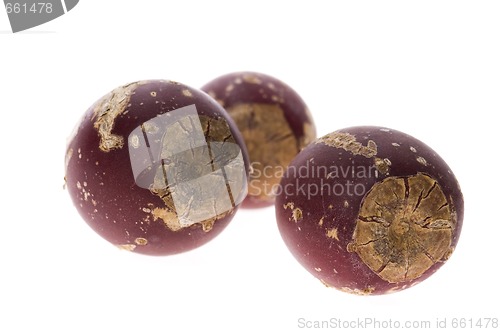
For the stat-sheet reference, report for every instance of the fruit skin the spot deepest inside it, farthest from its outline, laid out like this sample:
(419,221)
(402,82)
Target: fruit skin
(323,230)
(100,172)
(274,121)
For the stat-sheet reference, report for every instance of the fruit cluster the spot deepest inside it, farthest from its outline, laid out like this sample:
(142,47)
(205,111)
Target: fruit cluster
(157,167)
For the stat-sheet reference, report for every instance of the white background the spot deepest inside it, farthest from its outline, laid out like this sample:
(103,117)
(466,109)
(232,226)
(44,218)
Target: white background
(428,68)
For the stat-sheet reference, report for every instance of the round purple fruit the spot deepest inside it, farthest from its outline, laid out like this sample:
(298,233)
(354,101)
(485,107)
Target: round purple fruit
(275,124)
(370,210)
(156,167)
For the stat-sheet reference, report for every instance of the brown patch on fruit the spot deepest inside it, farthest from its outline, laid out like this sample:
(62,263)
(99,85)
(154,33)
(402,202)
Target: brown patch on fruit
(270,142)
(107,109)
(405,225)
(348,142)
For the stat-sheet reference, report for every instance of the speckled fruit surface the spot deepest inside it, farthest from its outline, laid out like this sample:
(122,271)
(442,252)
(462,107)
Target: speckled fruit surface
(370,210)
(274,121)
(156,167)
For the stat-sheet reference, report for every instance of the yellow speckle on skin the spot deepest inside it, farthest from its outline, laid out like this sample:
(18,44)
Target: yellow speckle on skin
(140,241)
(275,98)
(69,154)
(127,247)
(382,165)
(332,234)
(187,93)
(422,161)
(153,93)
(252,79)
(134,141)
(325,283)
(349,143)
(297,214)
(318,269)
(366,291)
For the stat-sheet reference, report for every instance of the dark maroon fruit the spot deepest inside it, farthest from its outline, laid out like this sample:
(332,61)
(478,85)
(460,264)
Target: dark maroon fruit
(275,124)
(157,167)
(370,210)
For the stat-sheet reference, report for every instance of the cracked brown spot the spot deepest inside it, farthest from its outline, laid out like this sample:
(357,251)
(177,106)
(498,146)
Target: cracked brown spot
(270,142)
(107,109)
(405,225)
(348,142)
